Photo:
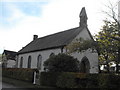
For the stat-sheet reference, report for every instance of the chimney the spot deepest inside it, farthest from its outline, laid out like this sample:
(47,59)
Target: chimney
(35,37)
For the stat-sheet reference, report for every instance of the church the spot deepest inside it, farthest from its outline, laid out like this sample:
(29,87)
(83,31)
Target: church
(40,49)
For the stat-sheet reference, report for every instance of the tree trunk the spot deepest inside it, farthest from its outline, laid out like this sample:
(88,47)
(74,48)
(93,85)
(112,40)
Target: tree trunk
(99,68)
(107,63)
(118,60)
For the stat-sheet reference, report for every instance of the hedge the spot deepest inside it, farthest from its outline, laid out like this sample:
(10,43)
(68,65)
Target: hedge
(109,81)
(79,80)
(61,79)
(49,78)
(92,81)
(24,74)
(67,80)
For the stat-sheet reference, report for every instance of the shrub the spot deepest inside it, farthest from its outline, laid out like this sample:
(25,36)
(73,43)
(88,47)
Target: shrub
(49,78)
(80,75)
(62,63)
(24,74)
(92,81)
(103,80)
(114,81)
(79,80)
(108,81)
(66,80)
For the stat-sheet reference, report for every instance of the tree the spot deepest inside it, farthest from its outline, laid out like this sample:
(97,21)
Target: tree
(0,57)
(80,45)
(62,63)
(108,47)
(115,16)
(107,41)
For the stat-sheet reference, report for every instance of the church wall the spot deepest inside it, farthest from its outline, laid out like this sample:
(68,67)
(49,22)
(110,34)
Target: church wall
(83,34)
(11,63)
(92,56)
(45,55)
(93,59)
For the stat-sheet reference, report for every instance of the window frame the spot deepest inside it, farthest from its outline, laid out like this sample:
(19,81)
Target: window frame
(21,62)
(29,62)
(39,61)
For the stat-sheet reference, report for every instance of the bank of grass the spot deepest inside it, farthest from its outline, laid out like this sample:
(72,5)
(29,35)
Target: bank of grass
(22,84)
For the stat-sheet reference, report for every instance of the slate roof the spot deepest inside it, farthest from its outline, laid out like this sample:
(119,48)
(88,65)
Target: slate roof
(52,41)
(10,54)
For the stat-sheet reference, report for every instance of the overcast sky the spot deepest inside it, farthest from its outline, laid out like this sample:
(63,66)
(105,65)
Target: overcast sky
(21,19)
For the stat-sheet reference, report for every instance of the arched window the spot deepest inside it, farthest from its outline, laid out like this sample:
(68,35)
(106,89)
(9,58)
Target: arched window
(29,62)
(85,65)
(39,61)
(52,54)
(21,62)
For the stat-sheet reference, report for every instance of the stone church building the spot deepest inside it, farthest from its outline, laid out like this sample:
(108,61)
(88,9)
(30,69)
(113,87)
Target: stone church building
(40,49)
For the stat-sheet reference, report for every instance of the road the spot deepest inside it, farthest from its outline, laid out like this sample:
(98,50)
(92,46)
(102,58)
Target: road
(6,85)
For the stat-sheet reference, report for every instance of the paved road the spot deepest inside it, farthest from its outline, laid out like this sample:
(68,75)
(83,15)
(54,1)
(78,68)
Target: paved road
(6,85)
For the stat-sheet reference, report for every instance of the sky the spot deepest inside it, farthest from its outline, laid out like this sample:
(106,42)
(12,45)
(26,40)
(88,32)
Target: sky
(21,19)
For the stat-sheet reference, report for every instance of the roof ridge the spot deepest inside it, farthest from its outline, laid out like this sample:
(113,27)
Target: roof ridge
(10,51)
(47,36)
(58,39)
(57,33)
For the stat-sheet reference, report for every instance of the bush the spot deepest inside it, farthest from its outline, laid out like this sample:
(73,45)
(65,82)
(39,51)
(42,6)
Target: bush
(92,81)
(103,80)
(49,78)
(24,74)
(114,81)
(63,79)
(108,81)
(79,80)
(62,63)
(67,80)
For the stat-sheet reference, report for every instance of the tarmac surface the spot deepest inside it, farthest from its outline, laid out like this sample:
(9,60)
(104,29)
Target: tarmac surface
(7,85)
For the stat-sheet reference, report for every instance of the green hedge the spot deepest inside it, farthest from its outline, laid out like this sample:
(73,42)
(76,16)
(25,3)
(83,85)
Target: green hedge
(79,80)
(24,74)
(109,81)
(66,80)
(61,79)
(92,81)
(49,78)
(115,81)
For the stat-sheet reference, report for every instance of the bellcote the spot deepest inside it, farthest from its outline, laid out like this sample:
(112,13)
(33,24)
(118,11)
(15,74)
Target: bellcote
(83,18)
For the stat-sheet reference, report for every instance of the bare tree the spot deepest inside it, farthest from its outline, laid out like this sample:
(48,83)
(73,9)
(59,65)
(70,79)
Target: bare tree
(112,13)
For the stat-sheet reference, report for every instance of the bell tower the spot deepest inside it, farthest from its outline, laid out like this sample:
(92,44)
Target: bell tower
(83,18)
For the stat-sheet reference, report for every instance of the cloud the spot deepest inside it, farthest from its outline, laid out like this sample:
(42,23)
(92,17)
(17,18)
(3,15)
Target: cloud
(56,16)
(25,0)
(10,15)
